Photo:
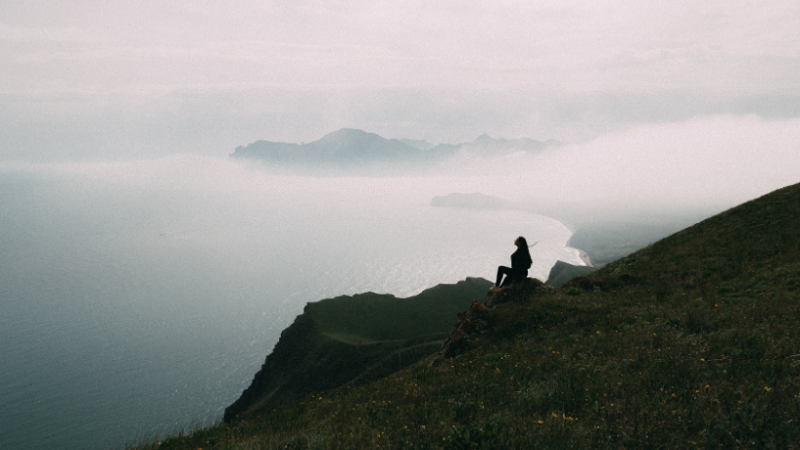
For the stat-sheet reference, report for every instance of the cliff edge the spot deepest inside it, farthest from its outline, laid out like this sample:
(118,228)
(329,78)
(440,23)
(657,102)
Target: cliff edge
(350,340)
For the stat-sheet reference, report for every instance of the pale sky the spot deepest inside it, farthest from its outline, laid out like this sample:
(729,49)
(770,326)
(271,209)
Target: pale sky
(107,78)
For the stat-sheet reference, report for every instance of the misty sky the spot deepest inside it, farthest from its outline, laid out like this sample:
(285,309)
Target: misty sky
(110,79)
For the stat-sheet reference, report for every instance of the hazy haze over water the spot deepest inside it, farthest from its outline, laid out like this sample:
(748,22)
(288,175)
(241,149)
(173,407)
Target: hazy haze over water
(141,298)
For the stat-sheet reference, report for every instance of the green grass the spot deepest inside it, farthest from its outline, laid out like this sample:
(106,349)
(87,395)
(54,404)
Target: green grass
(347,341)
(693,342)
(380,317)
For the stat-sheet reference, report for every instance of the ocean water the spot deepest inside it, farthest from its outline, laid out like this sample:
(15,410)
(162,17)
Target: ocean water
(139,299)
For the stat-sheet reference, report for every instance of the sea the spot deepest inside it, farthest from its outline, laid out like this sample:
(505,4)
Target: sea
(139,298)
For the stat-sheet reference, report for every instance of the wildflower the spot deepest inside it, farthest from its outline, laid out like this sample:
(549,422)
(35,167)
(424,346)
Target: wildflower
(767,388)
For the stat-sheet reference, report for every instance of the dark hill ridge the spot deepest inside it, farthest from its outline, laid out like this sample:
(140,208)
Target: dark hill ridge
(350,146)
(563,272)
(350,340)
(692,342)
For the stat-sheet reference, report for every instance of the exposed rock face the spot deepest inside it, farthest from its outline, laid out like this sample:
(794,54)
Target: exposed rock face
(475,321)
(518,292)
(472,323)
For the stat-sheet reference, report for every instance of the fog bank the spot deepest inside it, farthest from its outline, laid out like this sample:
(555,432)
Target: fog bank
(712,161)
(715,161)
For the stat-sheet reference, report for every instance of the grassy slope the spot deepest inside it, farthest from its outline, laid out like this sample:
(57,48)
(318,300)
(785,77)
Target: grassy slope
(351,340)
(693,342)
(374,317)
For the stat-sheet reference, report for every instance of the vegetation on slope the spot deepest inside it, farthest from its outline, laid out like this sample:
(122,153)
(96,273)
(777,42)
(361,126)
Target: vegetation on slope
(383,317)
(693,342)
(346,341)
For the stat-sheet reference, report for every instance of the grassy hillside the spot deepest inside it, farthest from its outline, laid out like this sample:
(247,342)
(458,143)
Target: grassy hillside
(374,317)
(693,342)
(347,341)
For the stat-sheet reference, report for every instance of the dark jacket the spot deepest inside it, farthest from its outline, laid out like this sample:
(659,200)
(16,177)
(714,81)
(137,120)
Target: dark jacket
(521,260)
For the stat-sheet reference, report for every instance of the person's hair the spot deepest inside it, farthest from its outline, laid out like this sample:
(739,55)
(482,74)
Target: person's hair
(523,245)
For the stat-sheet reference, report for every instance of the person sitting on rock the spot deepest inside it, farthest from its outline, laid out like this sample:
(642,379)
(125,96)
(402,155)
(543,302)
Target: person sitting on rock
(520,263)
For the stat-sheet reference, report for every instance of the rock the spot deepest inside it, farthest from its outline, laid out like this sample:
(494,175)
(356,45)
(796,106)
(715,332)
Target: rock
(476,320)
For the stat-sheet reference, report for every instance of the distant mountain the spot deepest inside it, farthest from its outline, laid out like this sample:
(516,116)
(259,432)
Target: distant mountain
(350,146)
(485,145)
(421,144)
(345,146)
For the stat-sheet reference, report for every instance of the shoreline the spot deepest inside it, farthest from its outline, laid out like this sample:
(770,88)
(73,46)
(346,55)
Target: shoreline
(572,229)
(584,257)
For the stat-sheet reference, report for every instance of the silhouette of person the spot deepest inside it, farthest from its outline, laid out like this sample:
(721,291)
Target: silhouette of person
(520,263)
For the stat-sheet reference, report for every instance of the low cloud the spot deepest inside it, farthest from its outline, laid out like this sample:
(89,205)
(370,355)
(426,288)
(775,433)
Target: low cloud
(713,162)
(722,160)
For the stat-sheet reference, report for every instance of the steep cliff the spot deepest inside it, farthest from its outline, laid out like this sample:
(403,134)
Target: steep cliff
(350,340)
(562,272)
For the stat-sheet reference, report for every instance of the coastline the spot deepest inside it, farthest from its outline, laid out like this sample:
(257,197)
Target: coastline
(584,257)
(572,229)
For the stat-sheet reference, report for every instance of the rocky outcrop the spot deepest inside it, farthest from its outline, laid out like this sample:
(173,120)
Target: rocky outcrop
(476,320)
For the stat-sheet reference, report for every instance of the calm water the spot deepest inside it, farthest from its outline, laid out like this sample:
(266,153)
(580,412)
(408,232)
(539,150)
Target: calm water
(138,299)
